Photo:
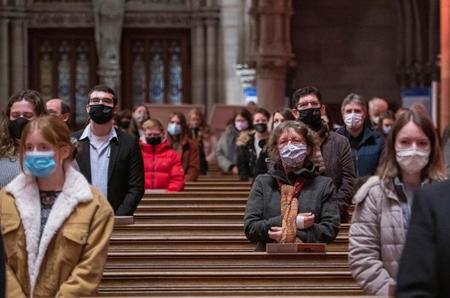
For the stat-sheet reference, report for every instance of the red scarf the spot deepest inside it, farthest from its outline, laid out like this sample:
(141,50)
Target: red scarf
(289,209)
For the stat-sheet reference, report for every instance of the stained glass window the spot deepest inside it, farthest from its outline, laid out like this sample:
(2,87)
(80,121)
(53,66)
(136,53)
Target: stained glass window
(64,72)
(156,74)
(81,81)
(138,73)
(45,70)
(175,78)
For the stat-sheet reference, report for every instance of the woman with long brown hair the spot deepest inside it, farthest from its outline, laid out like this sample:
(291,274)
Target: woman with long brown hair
(187,148)
(412,158)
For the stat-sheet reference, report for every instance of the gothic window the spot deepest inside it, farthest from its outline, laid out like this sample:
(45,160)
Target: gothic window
(155,66)
(63,63)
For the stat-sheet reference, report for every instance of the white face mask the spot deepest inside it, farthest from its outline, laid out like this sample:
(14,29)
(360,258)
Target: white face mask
(293,155)
(353,120)
(412,160)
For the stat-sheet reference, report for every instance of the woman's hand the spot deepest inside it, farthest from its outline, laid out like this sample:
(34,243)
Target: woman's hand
(308,220)
(275,233)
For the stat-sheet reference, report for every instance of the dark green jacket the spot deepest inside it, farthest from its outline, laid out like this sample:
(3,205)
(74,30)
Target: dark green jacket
(317,196)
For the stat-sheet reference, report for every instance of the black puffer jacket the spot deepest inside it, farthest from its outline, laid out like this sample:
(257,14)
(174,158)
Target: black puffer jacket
(263,209)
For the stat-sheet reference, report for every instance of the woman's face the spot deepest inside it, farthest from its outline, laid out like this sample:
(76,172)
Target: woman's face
(290,136)
(259,118)
(175,120)
(277,119)
(194,121)
(153,132)
(23,109)
(411,136)
(36,142)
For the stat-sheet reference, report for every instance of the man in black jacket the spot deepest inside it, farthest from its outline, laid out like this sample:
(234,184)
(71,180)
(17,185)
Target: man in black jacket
(425,266)
(110,159)
(335,149)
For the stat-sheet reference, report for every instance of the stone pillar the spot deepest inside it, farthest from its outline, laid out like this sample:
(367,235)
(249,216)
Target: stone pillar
(18,55)
(198,62)
(445,64)
(274,54)
(4,62)
(211,62)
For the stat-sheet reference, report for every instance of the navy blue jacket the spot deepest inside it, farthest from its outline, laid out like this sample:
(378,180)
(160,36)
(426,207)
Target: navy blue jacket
(368,152)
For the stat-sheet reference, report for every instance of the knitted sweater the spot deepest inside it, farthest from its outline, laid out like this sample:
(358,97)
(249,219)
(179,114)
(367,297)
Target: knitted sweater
(9,169)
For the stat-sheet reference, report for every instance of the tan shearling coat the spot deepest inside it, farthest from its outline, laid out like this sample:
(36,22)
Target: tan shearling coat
(376,237)
(68,259)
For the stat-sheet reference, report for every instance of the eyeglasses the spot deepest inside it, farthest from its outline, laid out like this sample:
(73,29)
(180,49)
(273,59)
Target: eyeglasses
(103,100)
(306,104)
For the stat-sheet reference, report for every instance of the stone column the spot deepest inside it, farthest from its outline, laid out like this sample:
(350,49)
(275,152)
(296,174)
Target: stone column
(274,54)
(445,64)
(4,62)
(198,62)
(18,55)
(211,62)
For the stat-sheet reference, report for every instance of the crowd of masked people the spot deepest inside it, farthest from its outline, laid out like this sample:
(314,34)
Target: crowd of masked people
(60,189)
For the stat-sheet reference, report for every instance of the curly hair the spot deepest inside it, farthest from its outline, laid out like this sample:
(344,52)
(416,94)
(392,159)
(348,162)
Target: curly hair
(312,142)
(8,147)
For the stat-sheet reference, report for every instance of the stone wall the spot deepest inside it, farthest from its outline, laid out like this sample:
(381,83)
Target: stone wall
(346,46)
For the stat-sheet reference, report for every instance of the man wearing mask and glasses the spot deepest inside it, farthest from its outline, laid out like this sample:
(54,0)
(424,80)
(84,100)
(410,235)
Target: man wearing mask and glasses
(335,149)
(110,159)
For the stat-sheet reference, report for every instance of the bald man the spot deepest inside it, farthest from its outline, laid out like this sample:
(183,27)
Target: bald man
(56,107)
(377,106)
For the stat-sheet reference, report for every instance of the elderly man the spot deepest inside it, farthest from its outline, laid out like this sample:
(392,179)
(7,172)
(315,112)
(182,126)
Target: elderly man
(377,106)
(56,107)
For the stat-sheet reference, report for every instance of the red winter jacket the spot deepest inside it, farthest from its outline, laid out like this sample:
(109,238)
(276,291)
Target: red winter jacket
(162,167)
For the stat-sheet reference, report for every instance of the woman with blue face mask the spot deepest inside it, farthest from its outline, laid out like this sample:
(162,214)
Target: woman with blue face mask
(55,226)
(186,147)
(292,202)
(412,158)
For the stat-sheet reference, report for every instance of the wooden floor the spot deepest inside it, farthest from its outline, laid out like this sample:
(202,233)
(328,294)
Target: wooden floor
(192,244)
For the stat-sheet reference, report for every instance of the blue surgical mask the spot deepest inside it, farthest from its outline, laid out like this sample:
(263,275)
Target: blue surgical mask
(40,164)
(174,129)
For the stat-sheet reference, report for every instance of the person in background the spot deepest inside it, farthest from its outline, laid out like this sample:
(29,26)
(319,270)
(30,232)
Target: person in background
(335,149)
(187,148)
(162,165)
(226,151)
(377,106)
(141,113)
(110,159)
(55,226)
(123,119)
(281,115)
(386,122)
(209,145)
(263,163)
(251,143)
(425,262)
(197,125)
(22,107)
(382,214)
(311,213)
(57,107)
(400,111)
(366,144)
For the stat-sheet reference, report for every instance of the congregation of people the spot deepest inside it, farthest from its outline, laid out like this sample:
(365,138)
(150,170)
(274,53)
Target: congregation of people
(60,189)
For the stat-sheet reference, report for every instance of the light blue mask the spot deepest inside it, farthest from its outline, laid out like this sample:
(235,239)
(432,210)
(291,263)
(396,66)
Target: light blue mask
(40,164)
(174,129)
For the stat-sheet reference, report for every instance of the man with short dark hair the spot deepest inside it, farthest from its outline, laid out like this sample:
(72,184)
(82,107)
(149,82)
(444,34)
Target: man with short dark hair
(110,159)
(57,107)
(335,149)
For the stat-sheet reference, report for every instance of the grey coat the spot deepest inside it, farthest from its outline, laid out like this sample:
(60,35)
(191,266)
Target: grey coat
(226,150)
(263,209)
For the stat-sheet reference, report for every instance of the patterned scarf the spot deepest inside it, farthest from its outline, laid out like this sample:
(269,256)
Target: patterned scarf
(289,210)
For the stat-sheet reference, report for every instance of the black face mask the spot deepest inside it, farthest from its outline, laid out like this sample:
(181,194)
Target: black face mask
(16,127)
(153,140)
(311,117)
(100,114)
(260,127)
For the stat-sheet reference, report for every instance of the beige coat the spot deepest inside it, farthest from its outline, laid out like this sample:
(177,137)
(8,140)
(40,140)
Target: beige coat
(68,259)
(376,237)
